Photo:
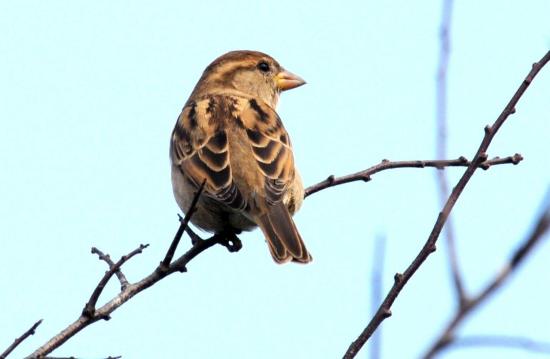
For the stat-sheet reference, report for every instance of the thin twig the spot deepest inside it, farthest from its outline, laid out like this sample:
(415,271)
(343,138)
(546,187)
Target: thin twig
(183,225)
(107,259)
(19,340)
(365,175)
(447,336)
(441,146)
(89,308)
(429,246)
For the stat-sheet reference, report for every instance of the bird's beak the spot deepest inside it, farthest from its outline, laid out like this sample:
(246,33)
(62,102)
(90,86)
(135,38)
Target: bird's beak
(286,80)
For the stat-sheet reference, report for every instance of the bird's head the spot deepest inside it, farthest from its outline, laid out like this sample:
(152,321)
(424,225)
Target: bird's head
(250,73)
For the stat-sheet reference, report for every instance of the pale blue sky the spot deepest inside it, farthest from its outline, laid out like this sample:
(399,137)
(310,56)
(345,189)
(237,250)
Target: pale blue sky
(89,93)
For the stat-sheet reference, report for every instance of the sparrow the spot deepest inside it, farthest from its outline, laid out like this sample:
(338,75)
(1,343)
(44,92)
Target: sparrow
(229,136)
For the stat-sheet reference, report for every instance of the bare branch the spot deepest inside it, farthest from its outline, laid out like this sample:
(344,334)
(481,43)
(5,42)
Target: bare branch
(20,340)
(429,247)
(365,175)
(441,145)
(448,335)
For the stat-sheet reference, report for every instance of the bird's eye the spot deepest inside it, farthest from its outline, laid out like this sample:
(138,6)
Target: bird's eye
(263,66)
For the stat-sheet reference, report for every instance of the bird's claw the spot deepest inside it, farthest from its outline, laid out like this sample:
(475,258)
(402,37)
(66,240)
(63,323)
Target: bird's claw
(230,241)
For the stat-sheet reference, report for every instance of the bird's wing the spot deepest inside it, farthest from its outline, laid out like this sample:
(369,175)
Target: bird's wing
(271,148)
(272,152)
(200,149)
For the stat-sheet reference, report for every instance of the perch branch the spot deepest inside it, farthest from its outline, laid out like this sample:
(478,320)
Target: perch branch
(91,315)
(400,280)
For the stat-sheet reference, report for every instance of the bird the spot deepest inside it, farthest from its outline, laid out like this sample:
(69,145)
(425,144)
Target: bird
(229,139)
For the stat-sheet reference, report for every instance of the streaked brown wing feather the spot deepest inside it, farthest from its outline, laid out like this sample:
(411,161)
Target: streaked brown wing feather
(270,147)
(201,151)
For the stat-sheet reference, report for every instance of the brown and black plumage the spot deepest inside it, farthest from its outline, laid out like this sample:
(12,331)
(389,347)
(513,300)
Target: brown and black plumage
(229,134)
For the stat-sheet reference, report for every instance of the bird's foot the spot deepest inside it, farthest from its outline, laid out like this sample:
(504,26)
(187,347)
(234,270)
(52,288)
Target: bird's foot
(229,240)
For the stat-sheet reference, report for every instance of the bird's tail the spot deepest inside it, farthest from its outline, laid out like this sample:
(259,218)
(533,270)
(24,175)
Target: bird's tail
(285,243)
